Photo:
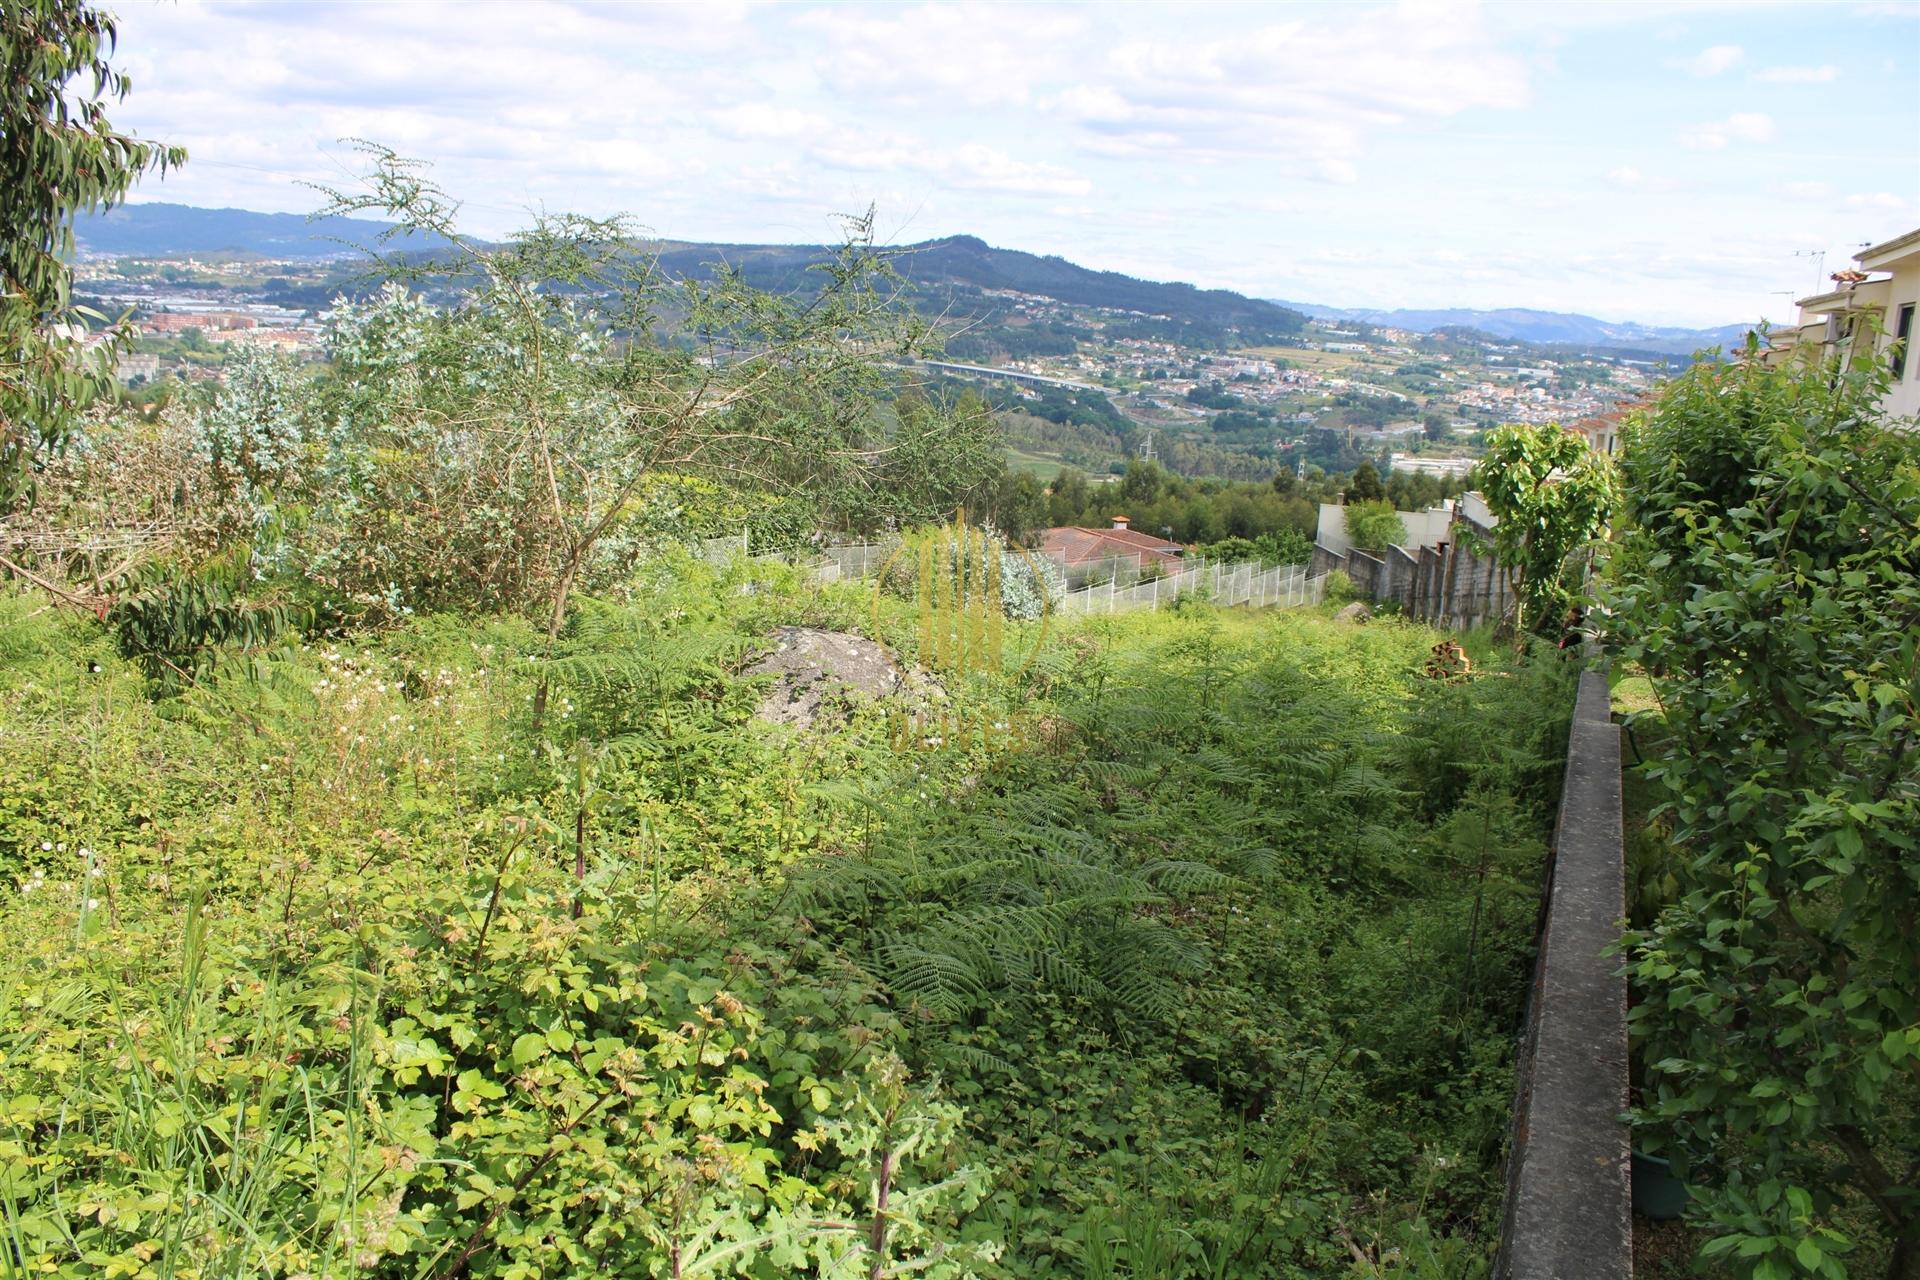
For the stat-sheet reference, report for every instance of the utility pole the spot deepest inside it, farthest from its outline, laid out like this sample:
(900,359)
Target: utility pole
(1146,448)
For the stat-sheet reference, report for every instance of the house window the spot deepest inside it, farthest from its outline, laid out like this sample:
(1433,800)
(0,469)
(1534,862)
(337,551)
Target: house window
(1902,334)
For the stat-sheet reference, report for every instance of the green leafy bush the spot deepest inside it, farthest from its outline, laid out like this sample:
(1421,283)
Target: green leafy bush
(1769,584)
(1287,546)
(1552,496)
(1374,525)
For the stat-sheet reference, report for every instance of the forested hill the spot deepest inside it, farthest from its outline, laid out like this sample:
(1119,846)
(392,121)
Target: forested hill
(174,230)
(956,273)
(948,276)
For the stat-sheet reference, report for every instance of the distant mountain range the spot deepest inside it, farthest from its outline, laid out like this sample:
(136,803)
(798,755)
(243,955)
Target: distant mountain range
(1548,327)
(955,269)
(953,273)
(960,271)
(178,230)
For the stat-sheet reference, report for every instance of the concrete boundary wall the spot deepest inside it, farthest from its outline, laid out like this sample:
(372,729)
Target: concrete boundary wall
(1446,583)
(1568,1206)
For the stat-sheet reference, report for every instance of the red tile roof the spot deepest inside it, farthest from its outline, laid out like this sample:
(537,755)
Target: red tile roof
(1084,546)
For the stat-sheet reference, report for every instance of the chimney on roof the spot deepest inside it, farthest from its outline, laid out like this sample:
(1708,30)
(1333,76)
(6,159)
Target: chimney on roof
(1120,522)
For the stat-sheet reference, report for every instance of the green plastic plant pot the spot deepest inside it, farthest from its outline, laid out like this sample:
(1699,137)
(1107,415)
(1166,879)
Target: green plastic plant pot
(1658,1194)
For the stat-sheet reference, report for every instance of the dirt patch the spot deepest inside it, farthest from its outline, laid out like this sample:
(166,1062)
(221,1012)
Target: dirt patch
(824,674)
(1665,1251)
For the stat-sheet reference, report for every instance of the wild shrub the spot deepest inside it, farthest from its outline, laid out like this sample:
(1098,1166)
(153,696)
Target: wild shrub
(1373,525)
(359,973)
(1769,584)
(1209,898)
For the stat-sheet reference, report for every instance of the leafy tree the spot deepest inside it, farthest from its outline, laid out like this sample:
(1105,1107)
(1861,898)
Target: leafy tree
(1070,493)
(1551,495)
(1285,546)
(941,456)
(1328,449)
(1143,482)
(1365,486)
(59,155)
(1416,491)
(1374,526)
(500,452)
(1020,505)
(1768,580)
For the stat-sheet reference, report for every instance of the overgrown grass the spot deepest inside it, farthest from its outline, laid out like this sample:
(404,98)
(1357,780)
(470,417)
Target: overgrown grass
(1210,968)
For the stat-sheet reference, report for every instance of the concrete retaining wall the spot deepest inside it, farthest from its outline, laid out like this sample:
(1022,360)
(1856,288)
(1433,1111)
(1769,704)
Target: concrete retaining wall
(1568,1205)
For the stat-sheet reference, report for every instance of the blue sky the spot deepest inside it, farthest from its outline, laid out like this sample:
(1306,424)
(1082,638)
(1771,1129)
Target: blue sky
(1663,162)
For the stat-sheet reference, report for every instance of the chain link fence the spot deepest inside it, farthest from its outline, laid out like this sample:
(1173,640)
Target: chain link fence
(1247,583)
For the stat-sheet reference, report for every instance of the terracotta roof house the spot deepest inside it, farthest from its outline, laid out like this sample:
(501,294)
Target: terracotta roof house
(1601,432)
(1084,548)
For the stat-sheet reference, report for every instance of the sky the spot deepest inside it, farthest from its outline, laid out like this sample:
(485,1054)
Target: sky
(1668,162)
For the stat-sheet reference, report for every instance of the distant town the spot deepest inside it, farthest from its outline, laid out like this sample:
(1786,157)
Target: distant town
(1084,385)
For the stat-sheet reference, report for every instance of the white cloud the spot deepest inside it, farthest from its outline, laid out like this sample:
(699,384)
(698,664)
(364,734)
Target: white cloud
(766,121)
(974,53)
(1267,204)
(1808,190)
(1631,179)
(849,149)
(1336,169)
(1751,126)
(1823,74)
(1741,126)
(982,168)
(1308,93)
(1713,61)
(1876,200)
(971,166)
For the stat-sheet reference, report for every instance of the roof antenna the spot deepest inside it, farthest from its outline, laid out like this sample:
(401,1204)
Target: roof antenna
(1819,257)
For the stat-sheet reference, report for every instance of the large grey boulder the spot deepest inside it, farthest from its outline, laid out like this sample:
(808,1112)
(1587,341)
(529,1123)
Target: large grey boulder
(820,674)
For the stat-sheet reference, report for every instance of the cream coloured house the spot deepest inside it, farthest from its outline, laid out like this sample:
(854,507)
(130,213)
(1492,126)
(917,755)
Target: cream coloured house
(1875,304)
